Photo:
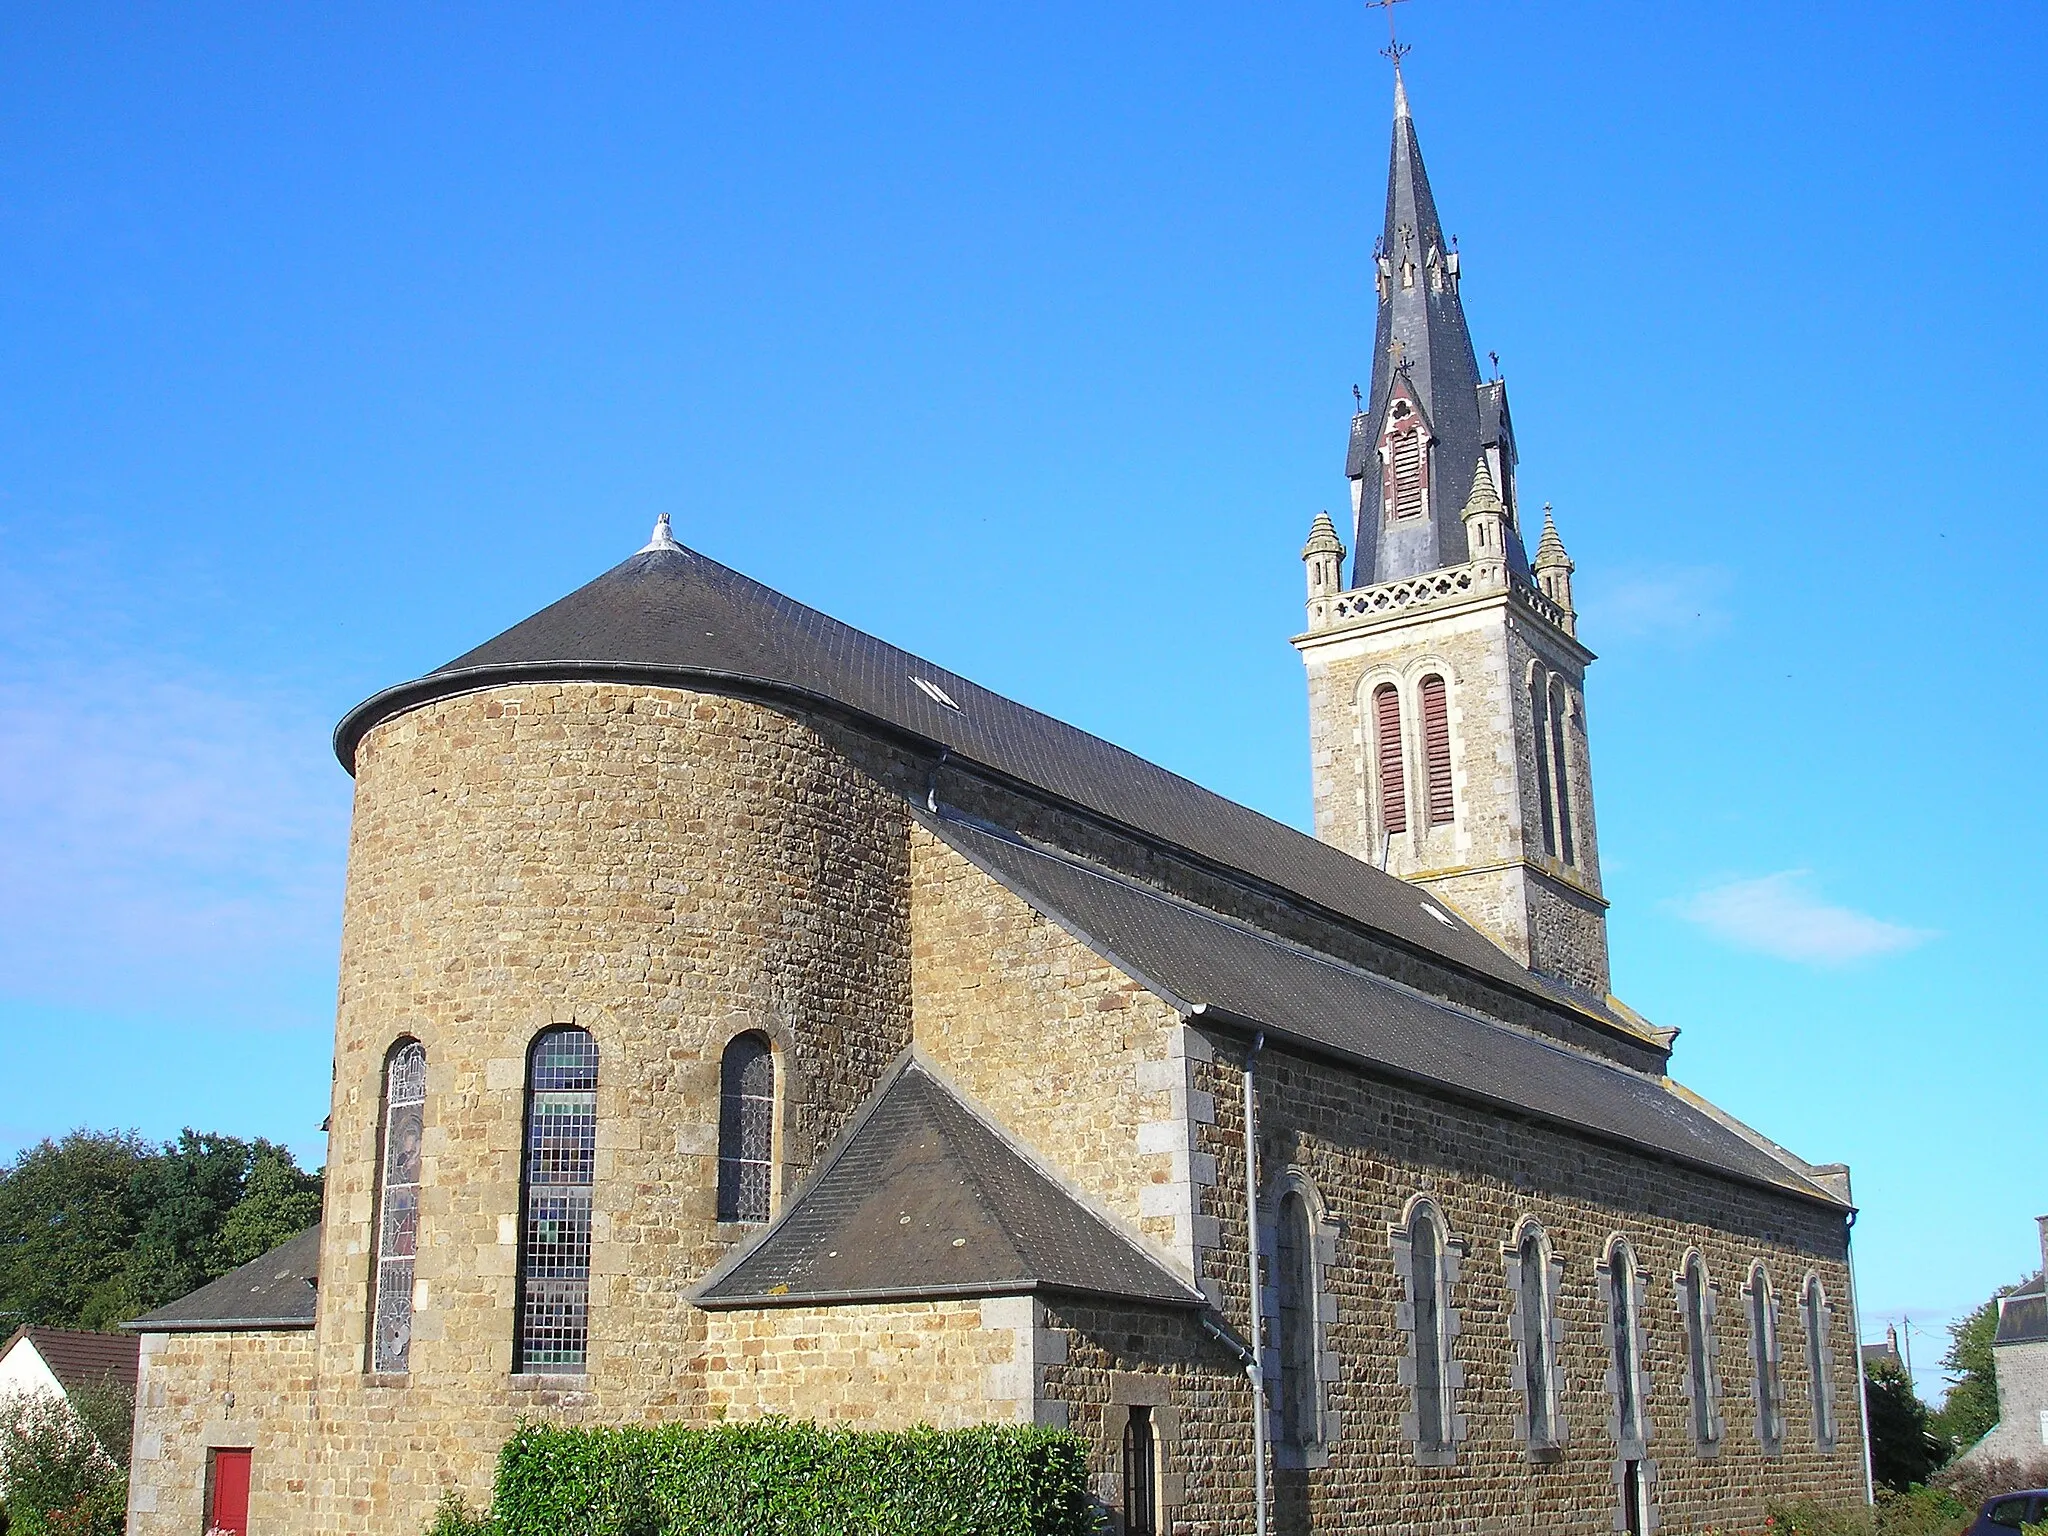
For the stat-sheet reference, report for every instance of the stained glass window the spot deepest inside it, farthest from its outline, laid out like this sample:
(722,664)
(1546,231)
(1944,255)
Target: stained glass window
(561,1162)
(398,1205)
(1301,1393)
(1815,1306)
(1538,1360)
(1763,1345)
(1699,1352)
(746,1129)
(1432,1363)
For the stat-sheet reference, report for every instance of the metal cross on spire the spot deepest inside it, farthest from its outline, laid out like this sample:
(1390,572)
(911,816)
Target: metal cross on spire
(1395,49)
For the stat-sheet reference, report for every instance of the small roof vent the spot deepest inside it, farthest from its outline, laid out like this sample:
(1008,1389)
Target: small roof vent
(935,693)
(1440,915)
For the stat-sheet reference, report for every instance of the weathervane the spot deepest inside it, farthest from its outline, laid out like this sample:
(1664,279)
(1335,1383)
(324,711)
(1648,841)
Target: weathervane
(1395,49)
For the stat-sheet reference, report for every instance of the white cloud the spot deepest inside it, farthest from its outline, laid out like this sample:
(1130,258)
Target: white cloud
(1776,915)
(1679,603)
(171,842)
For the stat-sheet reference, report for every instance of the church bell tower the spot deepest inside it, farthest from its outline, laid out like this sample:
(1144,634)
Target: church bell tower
(1446,681)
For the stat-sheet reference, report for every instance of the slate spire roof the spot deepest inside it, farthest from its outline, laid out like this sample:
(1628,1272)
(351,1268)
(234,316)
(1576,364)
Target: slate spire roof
(1421,311)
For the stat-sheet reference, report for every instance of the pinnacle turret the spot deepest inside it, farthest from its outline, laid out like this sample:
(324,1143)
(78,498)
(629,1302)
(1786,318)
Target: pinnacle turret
(1323,554)
(1554,569)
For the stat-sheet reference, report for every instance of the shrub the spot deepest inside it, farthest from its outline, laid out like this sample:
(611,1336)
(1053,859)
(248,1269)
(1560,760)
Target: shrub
(454,1518)
(1918,1512)
(789,1477)
(1977,1480)
(61,1479)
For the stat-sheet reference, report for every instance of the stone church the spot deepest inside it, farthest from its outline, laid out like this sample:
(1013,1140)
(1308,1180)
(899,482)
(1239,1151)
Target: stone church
(740,1016)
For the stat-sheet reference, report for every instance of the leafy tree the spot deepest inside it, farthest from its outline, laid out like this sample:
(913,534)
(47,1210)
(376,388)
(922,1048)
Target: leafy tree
(1903,1453)
(66,1224)
(102,1226)
(1970,1410)
(278,1202)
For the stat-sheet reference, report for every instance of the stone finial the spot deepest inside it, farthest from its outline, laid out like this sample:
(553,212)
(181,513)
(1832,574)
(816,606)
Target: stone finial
(1553,569)
(1484,498)
(1324,556)
(1550,553)
(1486,521)
(663,539)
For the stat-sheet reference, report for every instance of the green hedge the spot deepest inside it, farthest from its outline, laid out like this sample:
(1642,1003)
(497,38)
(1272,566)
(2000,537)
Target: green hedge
(783,1478)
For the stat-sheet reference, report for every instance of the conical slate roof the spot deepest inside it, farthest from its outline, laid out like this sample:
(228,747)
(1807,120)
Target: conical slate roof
(1427,319)
(669,615)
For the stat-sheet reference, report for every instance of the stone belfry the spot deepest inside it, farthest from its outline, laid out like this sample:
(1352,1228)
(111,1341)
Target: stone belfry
(1446,680)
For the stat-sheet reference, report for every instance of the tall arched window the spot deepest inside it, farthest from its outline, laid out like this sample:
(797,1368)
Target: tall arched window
(561,1167)
(1388,755)
(1436,749)
(1626,1368)
(1539,714)
(1535,1327)
(1696,1309)
(746,1129)
(1432,1340)
(1814,1307)
(1301,1406)
(1763,1348)
(398,1204)
(1560,770)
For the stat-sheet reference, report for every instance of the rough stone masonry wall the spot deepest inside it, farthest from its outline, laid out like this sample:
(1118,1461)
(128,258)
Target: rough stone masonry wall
(200,1391)
(1068,1054)
(1110,1357)
(881,1366)
(664,869)
(1369,1146)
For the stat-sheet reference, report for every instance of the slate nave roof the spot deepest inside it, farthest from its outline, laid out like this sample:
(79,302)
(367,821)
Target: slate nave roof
(671,616)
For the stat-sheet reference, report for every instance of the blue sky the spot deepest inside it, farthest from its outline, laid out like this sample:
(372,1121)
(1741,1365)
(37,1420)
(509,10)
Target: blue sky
(334,340)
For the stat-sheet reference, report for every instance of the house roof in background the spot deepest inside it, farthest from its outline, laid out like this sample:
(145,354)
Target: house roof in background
(922,1198)
(79,1357)
(2023,1315)
(275,1291)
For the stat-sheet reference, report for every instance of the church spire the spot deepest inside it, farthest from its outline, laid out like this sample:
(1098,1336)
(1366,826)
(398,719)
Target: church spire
(1418,434)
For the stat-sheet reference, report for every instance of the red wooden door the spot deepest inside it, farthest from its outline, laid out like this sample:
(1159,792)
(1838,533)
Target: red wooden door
(230,1493)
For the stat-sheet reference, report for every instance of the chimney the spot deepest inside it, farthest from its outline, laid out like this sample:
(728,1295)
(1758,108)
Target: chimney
(2042,1223)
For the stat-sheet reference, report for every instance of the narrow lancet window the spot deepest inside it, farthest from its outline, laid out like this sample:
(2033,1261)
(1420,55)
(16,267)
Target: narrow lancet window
(561,1168)
(1763,1346)
(746,1129)
(398,1205)
(1561,772)
(1301,1415)
(1141,1474)
(1386,715)
(1535,1313)
(1436,749)
(1814,1304)
(1696,1308)
(1432,1346)
(1539,714)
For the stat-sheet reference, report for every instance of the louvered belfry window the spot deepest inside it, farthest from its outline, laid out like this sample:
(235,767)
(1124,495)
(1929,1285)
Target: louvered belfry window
(1386,715)
(398,1205)
(1436,750)
(1406,453)
(746,1129)
(561,1169)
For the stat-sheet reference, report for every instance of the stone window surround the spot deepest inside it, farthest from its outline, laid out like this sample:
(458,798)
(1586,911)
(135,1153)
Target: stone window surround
(1406,678)
(1322,1255)
(1511,1259)
(1450,1269)
(699,1137)
(1141,1389)
(1820,1356)
(1766,1361)
(1709,1357)
(1633,1450)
